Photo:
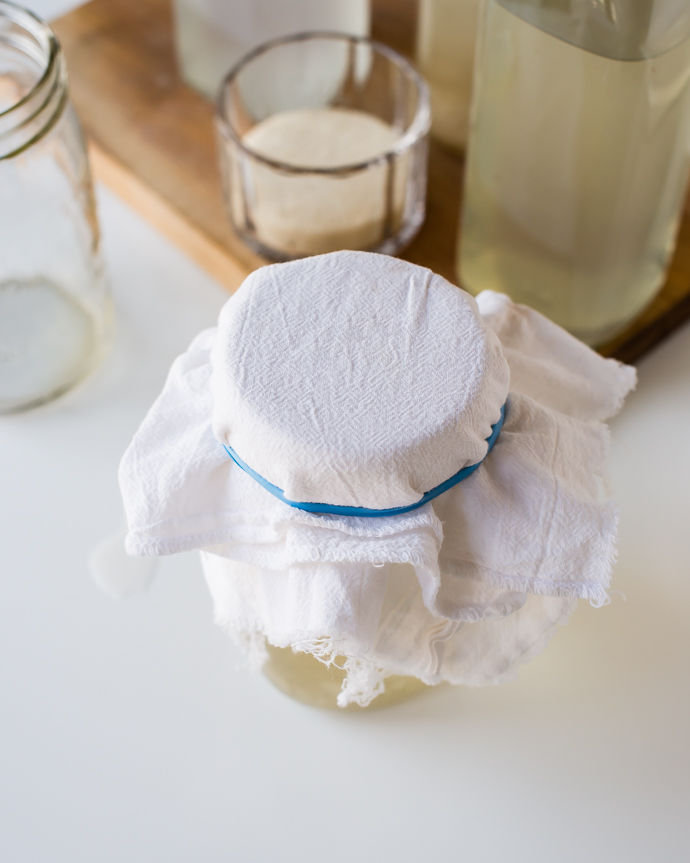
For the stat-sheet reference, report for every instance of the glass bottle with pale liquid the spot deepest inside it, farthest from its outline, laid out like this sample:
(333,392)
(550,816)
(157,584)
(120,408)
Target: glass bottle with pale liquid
(578,156)
(446,31)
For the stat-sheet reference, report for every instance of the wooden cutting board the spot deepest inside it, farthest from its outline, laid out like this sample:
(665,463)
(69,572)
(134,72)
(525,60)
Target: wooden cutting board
(152,141)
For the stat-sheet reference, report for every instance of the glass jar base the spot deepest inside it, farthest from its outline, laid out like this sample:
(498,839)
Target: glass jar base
(309,681)
(48,343)
(389,246)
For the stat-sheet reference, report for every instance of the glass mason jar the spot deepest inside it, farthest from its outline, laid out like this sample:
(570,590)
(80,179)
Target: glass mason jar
(54,304)
(323,146)
(212,35)
(578,157)
(446,33)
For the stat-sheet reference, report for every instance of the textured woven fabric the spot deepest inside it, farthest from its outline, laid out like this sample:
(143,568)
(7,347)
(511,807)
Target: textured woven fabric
(462,589)
(355,379)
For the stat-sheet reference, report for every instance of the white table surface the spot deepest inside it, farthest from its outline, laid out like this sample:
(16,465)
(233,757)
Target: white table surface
(130,733)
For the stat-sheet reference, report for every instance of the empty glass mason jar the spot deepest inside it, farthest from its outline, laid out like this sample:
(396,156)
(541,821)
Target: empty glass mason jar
(54,303)
(323,146)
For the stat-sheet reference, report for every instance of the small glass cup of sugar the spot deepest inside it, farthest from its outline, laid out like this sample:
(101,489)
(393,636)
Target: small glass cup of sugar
(323,146)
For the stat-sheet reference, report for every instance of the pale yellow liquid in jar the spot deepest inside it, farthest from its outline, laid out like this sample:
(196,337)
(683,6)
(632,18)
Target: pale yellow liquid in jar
(305,679)
(445,56)
(576,175)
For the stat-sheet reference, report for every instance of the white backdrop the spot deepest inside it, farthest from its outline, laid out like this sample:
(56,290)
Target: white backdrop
(130,732)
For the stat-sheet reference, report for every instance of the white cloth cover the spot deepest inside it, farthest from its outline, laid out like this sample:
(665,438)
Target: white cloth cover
(462,589)
(355,379)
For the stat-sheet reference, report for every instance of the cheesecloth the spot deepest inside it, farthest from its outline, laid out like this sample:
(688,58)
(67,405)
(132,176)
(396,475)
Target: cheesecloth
(354,379)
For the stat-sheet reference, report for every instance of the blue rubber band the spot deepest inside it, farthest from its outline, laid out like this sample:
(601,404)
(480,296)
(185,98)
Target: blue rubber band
(360,510)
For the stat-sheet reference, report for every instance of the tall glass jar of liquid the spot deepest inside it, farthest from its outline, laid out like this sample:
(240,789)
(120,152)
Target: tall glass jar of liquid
(446,33)
(578,156)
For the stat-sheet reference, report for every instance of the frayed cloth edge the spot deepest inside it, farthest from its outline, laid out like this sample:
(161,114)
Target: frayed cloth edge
(364,680)
(597,594)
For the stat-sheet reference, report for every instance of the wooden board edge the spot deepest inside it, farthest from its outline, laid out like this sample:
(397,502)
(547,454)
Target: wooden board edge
(231,272)
(652,335)
(155,209)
